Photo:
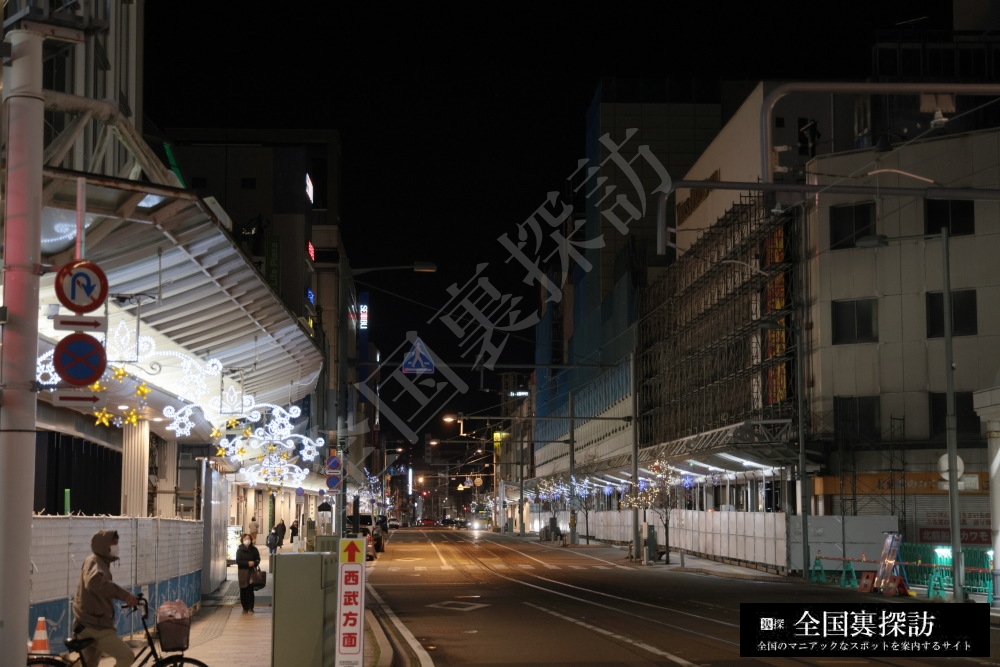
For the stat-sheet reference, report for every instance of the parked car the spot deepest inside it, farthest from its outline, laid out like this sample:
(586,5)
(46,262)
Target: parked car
(428,522)
(369,523)
(369,545)
(394,523)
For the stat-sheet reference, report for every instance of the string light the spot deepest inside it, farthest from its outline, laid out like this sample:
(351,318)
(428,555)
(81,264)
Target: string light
(103,417)
(273,449)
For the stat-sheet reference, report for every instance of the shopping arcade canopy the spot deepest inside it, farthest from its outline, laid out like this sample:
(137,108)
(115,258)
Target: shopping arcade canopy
(183,286)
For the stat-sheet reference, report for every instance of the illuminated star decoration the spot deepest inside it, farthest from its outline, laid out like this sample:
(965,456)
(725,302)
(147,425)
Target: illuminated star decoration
(232,422)
(142,391)
(119,373)
(216,433)
(270,460)
(103,417)
(117,421)
(96,387)
(132,417)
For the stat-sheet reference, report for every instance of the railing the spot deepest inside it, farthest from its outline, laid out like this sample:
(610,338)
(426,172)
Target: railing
(919,564)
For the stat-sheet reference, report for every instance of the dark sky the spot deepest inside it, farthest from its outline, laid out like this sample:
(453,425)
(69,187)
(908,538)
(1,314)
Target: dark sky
(455,121)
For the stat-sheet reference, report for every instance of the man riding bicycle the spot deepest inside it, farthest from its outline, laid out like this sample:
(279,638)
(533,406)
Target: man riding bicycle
(93,605)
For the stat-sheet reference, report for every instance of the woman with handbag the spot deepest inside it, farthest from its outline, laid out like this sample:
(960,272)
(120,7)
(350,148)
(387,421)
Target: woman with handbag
(247,560)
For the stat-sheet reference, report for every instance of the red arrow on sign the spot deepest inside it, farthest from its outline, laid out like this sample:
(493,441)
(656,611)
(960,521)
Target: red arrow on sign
(74,398)
(352,550)
(69,323)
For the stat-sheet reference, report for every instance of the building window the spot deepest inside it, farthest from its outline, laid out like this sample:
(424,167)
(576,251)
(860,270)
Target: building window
(967,421)
(849,223)
(964,318)
(958,215)
(855,321)
(857,418)
(248,183)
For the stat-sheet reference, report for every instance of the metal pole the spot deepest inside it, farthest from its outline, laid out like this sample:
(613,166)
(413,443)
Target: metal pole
(635,458)
(343,323)
(21,266)
(805,496)
(572,473)
(951,425)
(520,500)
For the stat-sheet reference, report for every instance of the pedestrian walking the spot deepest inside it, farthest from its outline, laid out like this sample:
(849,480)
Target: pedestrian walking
(253,529)
(281,528)
(94,607)
(247,558)
(293,531)
(272,541)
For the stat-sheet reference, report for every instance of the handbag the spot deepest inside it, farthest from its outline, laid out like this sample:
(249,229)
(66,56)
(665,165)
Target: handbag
(257,578)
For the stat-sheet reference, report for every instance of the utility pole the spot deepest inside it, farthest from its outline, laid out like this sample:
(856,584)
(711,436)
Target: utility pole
(572,473)
(24,107)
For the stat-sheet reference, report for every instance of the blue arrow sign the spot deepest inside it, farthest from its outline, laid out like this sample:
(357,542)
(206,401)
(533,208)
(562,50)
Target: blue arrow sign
(418,359)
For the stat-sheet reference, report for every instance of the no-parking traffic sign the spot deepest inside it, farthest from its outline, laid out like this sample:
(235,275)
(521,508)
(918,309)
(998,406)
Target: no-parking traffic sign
(80,359)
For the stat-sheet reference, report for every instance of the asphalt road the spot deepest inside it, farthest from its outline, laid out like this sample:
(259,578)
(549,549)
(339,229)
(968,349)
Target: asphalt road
(461,597)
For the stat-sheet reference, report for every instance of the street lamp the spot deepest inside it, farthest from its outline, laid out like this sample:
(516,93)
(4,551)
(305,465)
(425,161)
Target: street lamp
(344,277)
(951,425)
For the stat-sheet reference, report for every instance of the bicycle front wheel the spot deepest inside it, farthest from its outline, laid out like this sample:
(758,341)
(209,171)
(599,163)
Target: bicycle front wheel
(46,661)
(179,661)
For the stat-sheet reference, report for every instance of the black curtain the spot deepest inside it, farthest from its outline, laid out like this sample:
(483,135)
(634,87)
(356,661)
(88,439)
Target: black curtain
(91,472)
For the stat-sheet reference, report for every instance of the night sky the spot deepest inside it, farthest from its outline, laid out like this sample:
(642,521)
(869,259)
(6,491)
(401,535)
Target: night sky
(455,122)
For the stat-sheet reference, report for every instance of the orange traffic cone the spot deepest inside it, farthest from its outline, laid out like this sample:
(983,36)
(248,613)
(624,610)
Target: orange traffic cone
(40,642)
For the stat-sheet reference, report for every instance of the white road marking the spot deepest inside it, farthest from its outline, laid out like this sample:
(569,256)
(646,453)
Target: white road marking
(423,658)
(628,640)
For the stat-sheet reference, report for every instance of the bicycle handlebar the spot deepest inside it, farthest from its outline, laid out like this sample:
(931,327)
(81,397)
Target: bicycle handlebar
(140,601)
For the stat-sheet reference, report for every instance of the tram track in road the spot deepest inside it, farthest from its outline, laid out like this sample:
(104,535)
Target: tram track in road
(631,627)
(590,609)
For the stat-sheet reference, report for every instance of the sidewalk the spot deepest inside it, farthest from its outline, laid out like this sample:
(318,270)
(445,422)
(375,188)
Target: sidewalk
(222,635)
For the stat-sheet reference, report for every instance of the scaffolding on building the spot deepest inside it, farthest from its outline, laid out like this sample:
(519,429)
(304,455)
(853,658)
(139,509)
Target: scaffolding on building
(716,345)
(871,468)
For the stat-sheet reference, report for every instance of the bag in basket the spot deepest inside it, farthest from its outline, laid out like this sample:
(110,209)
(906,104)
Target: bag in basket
(257,578)
(173,625)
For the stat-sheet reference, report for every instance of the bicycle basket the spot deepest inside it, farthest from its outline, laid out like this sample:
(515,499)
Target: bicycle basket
(173,626)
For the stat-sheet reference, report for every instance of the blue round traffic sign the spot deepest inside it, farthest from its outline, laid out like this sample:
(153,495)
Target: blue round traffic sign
(80,359)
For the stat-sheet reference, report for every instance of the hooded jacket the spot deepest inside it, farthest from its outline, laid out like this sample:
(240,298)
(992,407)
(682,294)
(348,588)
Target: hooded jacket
(96,592)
